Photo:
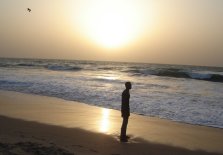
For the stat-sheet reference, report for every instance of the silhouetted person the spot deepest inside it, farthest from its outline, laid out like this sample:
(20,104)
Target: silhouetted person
(125,111)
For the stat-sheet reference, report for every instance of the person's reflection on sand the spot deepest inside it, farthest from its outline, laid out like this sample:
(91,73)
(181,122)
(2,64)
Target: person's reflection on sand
(125,111)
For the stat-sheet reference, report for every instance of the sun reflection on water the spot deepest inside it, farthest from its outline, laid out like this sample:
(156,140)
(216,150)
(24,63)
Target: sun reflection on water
(104,123)
(108,76)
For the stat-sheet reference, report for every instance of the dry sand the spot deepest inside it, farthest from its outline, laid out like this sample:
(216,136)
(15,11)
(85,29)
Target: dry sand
(37,125)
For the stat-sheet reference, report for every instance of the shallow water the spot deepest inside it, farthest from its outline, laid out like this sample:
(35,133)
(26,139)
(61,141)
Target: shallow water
(182,93)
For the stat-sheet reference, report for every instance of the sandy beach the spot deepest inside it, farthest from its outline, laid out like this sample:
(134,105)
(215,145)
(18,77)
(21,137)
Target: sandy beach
(36,125)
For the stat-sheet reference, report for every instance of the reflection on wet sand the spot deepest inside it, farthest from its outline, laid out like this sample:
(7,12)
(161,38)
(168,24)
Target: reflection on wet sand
(105,122)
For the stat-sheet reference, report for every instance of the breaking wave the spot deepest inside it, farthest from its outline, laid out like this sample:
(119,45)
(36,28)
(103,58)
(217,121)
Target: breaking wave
(177,73)
(212,74)
(54,67)
(63,68)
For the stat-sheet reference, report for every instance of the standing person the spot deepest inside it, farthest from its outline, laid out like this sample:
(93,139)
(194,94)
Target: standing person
(125,111)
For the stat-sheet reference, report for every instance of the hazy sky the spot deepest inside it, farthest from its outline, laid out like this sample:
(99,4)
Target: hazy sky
(152,31)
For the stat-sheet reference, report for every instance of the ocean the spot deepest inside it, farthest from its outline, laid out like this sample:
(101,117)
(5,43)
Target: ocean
(189,94)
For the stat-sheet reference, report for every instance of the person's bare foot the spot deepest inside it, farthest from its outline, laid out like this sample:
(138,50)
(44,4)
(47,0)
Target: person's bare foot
(124,140)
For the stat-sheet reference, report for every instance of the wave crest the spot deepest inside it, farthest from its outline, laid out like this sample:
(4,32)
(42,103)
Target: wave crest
(63,68)
(177,73)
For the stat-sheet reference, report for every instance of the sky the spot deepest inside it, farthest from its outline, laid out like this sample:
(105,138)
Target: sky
(185,32)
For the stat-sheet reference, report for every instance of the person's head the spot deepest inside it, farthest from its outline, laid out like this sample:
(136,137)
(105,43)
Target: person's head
(128,85)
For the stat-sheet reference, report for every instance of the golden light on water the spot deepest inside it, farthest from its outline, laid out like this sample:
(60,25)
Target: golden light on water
(110,75)
(104,123)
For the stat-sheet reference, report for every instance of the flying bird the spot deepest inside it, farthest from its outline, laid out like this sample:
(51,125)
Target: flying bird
(28,9)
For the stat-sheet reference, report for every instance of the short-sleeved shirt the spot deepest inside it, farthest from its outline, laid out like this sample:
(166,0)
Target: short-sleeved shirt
(125,104)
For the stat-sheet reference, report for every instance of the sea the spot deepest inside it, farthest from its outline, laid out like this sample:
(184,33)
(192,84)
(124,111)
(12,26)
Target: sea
(189,94)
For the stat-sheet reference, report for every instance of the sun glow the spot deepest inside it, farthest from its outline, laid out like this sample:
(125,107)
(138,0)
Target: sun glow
(111,23)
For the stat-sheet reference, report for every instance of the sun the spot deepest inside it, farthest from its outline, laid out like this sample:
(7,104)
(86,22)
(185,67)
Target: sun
(110,29)
(111,23)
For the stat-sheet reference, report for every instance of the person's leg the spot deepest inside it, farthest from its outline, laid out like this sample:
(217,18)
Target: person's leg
(124,127)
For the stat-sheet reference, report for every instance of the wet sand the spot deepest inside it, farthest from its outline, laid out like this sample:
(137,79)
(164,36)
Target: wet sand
(32,124)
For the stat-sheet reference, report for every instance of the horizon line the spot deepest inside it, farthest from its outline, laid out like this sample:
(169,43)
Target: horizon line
(136,62)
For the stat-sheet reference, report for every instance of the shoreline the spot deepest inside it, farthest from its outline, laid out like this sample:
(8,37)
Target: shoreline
(98,106)
(145,130)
